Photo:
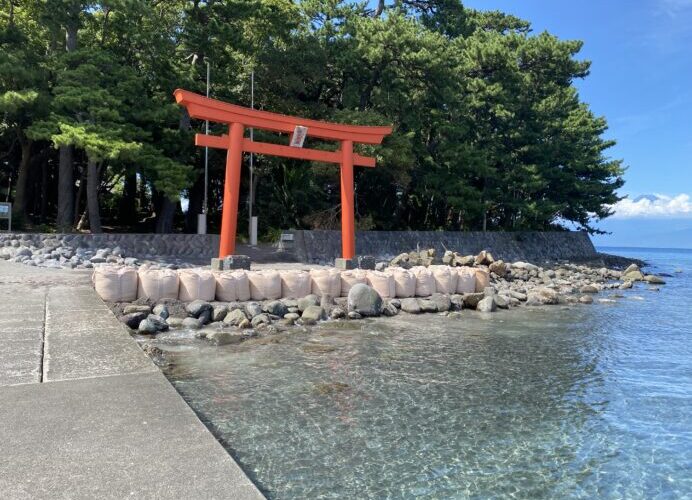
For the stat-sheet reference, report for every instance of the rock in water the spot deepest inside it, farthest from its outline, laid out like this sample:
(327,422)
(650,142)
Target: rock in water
(313,314)
(498,267)
(222,337)
(410,305)
(198,307)
(191,324)
(654,280)
(588,289)
(276,308)
(364,300)
(253,309)
(542,296)
(162,310)
(631,268)
(146,326)
(487,305)
(235,317)
(135,308)
(133,320)
(260,319)
(442,301)
(307,301)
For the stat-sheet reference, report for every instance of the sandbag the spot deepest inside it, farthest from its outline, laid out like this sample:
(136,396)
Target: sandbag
(350,278)
(326,282)
(295,284)
(196,284)
(404,282)
(466,280)
(232,286)
(383,283)
(264,285)
(115,283)
(482,279)
(425,282)
(445,279)
(156,284)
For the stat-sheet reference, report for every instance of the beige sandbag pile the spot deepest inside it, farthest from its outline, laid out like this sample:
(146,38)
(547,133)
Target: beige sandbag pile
(232,286)
(196,284)
(295,284)
(382,283)
(404,282)
(326,282)
(115,283)
(425,281)
(350,278)
(264,285)
(482,279)
(466,280)
(157,284)
(445,279)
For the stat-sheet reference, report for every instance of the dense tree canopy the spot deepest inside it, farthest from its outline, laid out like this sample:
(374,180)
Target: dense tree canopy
(489,130)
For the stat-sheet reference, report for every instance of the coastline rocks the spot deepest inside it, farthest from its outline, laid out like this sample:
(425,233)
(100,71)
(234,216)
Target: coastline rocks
(442,302)
(364,300)
(487,304)
(253,309)
(307,301)
(132,320)
(542,296)
(197,308)
(313,314)
(471,300)
(235,317)
(586,299)
(654,280)
(260,319)
(427,305)
(222,337)
(191,324)
(410,305)
(162,310)
(588,289)
(136,308)
(275,307)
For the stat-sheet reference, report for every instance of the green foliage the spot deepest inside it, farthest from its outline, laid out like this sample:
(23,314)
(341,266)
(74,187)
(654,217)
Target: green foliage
(489,131)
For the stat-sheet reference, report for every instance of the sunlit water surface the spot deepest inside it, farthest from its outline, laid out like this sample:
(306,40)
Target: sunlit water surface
(585,401)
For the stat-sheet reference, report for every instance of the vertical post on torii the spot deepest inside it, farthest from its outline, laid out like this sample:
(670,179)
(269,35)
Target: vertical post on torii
(348,230)
(231,190)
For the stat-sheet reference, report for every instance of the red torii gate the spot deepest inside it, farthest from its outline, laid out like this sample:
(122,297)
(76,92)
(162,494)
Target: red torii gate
(238,117)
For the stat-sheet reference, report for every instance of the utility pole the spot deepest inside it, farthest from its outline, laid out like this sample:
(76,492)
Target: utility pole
(202,218)
(252,220)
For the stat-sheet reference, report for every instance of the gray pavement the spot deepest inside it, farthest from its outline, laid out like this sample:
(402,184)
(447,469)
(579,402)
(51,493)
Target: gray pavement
(84,413)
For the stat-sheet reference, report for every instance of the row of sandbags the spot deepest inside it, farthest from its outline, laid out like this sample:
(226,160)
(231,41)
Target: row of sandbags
(125,284)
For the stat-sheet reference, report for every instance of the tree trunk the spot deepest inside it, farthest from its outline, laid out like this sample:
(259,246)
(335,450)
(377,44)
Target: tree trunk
(66,195)
(93,182)
(128,202)
(19,206)
(66,207)
(164,219)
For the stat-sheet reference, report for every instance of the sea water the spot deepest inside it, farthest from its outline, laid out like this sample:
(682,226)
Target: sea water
(585,401)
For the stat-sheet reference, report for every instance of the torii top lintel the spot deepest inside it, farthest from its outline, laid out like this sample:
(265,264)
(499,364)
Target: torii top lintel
(238,117)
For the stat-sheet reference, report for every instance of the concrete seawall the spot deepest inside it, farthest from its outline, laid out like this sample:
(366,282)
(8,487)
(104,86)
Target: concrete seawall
(532,246)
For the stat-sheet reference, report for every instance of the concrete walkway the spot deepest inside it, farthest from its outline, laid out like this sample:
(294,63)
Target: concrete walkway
(84,413)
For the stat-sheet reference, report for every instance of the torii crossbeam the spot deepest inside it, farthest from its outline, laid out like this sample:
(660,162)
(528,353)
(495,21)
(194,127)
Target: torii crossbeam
(238,118)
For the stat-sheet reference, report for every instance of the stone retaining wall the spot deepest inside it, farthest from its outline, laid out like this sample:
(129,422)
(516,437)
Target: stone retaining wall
(531,246)
(198,246)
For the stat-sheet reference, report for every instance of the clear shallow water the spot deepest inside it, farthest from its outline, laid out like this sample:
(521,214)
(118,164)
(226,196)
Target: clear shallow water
(587,401)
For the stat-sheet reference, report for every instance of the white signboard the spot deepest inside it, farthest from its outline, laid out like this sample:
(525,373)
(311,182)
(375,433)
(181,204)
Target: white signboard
(298,137)
(6,213)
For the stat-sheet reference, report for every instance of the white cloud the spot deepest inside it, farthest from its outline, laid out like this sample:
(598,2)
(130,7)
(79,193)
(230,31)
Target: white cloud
(660,206)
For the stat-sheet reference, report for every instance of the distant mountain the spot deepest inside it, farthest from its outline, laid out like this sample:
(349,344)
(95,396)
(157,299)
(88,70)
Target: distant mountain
(650,197)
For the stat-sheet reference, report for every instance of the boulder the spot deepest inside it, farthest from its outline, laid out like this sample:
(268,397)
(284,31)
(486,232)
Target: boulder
(501,301)
(235,317)
(161,324)
(162,310)
(132,320)
(354,315)
(253,309)
(588,289)
(654,280)
(276,308)
(410,305)
(427,305)
(337,313)
(260,319)
(390,310)
(486,304)
(499,268)
(191,324)
(364,300)
(586,299)
(219,312)
(147,327)
(633,276)
(223,337)
(313,314)
(631,268)
(626,285)
(442,301)
(307,301)
(542,296)
(471,300)
(136,308)
(198,307)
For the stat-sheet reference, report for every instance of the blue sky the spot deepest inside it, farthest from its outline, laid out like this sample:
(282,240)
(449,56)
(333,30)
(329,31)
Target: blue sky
(641,81)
